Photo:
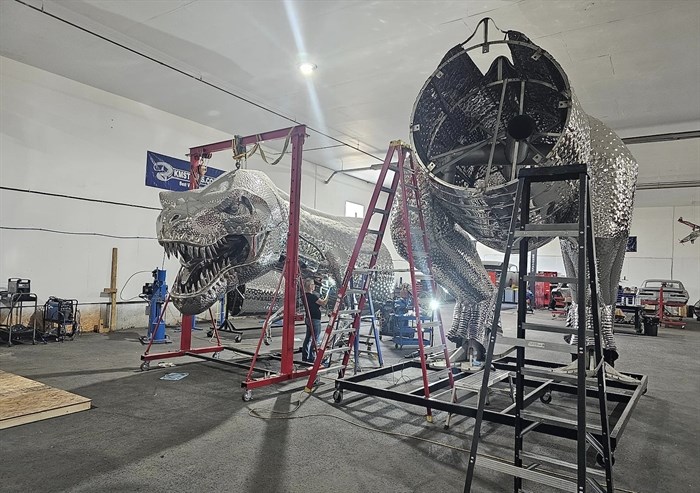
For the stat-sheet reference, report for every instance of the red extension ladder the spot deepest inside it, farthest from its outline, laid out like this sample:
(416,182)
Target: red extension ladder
(404,174)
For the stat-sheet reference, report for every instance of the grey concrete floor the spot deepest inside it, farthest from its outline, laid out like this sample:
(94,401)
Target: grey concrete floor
(196,434)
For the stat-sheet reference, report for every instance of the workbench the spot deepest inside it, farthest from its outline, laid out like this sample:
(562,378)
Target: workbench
(637,310)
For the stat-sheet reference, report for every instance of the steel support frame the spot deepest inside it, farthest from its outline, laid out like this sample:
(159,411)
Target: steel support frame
(624,394)
(297,135)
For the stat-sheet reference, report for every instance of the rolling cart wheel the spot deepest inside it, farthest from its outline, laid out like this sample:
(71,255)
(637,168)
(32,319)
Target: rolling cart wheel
(338,396)
(210,333)
(546,398)
(396,346)
(599,459)
(380,337)
(238,338)
(145,366)
(247,395)
(216,355)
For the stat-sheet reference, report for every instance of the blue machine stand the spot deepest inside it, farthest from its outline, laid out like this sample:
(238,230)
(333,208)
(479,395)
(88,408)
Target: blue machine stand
(405,331)
(156,294)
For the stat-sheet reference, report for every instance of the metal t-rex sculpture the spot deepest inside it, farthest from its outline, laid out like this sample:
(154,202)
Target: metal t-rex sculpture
(472,132)
(235,230)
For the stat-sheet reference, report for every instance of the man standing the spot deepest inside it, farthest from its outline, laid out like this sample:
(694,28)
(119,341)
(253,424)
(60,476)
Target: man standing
(313,321)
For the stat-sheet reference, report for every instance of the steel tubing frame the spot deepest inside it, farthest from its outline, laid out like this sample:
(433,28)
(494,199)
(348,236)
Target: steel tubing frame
(622,393)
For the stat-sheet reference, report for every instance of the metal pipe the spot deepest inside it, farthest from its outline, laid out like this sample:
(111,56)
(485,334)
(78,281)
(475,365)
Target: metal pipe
(668,184)
(374,167)
(646,139)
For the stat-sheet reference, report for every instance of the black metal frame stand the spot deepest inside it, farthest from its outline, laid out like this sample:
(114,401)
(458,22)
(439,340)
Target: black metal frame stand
(538,380)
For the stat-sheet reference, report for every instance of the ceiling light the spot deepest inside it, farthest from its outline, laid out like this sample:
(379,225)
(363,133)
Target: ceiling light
(307,68)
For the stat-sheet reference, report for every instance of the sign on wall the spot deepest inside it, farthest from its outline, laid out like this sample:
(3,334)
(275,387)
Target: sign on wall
(170,173)
(631,244)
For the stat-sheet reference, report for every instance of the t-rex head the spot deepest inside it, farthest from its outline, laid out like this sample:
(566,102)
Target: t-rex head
(224,235)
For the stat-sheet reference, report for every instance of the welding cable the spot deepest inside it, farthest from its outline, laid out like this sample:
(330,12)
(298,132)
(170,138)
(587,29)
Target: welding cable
(274,414)
(127,282)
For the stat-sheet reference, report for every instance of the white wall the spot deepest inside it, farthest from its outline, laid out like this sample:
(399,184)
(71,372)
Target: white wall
(659,253)
(63,137)
(59,136)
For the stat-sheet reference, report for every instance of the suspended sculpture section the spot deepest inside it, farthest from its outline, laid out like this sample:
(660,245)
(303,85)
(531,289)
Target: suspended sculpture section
(473,130)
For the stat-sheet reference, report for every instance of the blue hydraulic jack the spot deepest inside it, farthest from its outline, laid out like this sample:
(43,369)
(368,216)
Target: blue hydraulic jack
(156,294)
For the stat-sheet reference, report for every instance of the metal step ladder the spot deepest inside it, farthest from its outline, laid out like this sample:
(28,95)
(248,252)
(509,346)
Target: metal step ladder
(404,175)
(369,340)
(341,337)
(588,435)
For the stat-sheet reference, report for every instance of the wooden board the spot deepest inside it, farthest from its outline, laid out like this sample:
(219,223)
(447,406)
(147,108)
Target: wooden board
(24,401)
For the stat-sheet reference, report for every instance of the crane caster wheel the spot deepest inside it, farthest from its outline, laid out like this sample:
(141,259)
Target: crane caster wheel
(446,427)
(210,333)
(396,346)
(599,460)
(247,395)
(337,396)
(216,355)
(145,366)
(239,338)
(546,398)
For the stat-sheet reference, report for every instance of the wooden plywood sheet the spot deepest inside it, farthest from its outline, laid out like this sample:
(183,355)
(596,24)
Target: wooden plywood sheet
(24,401)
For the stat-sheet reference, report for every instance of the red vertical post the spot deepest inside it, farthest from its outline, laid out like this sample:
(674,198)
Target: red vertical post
(186,332)
(194,170)
(187,321)
(292,259)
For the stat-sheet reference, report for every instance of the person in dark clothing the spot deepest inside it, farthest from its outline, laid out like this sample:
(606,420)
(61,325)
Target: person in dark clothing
(313,321)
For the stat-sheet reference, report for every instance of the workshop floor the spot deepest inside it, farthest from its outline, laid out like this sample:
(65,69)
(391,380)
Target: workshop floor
(196,434)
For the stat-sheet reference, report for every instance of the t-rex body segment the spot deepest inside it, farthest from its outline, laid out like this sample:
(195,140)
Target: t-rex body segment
(234,232)
(472,131)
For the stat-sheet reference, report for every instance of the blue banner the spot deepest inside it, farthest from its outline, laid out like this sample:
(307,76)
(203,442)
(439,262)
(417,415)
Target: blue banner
(170,173)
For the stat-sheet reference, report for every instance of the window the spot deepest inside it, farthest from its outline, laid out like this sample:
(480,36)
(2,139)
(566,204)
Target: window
(354,210)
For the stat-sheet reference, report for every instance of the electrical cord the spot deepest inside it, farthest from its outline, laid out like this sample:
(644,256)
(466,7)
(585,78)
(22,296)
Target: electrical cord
(198,78)
(77,233)
(85,199)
